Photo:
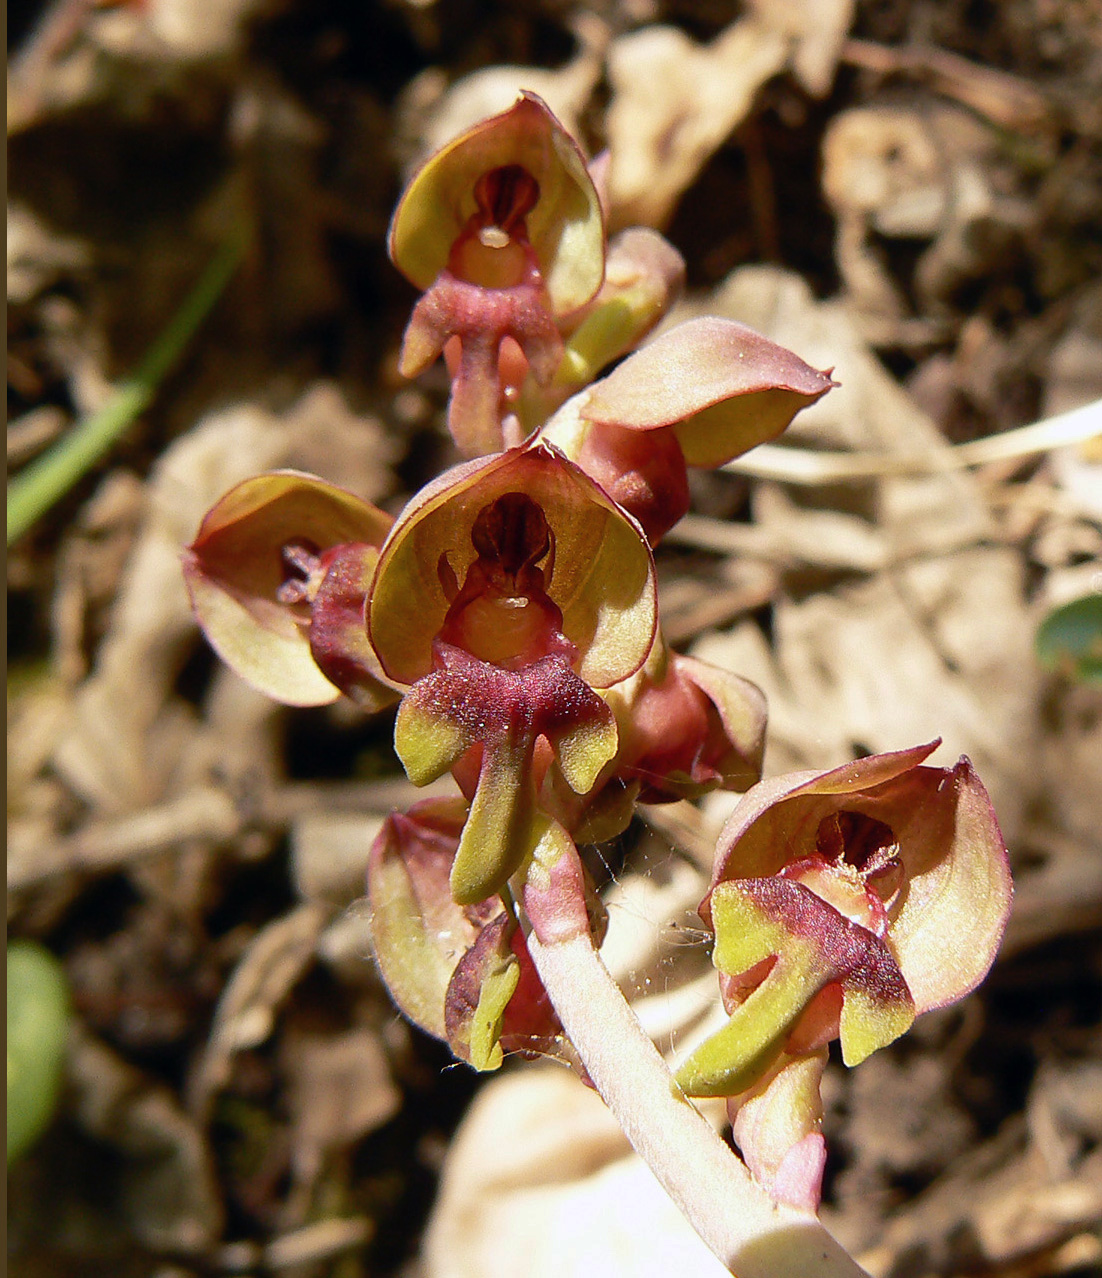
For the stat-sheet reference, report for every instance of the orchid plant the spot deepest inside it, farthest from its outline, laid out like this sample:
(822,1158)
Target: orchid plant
(511,612)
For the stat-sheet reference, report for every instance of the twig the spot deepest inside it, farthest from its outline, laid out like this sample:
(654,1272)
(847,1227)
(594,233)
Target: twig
(206,814)
(1007,100)
(35,490)
(749,1233)
(803,466)
(822,539)
(309,1244)
(52,35)
(32,432)
(287,802)
(712,607)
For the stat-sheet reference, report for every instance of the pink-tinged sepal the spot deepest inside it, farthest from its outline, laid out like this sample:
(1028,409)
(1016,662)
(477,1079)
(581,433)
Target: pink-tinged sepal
(721,386)
(418,932)
(644,472)
(777,1126)
(256,567)
(496,1002)
(699,395)
(687,727)
(338,629)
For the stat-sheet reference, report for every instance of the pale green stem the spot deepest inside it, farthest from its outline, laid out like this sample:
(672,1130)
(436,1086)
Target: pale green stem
(36,488)
(751,1235)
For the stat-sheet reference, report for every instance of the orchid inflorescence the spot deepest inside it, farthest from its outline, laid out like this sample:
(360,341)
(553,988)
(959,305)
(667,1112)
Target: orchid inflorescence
(511,612)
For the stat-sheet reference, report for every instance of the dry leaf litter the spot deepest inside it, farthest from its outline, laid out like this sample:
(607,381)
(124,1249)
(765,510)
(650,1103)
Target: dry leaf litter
(910,193)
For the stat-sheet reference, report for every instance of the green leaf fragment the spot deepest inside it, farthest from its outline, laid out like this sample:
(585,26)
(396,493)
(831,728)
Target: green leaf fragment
(38,1024)
(1069,640)
(45,481)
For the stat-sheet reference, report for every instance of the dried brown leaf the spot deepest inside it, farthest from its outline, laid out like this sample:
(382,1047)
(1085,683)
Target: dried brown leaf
(267,972)
(167,1192)
(339,1089)
(674,102)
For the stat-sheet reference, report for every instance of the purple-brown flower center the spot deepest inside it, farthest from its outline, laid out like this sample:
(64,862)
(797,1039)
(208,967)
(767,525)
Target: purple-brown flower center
(505,196)
(304,568)
(855,868)
(503,614)
(493,249)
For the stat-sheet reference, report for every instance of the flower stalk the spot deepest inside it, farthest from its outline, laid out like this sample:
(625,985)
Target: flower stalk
(752,1235)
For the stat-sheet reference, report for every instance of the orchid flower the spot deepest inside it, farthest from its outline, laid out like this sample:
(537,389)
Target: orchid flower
(844,903)
(278,574)
(507,593)
(504,232)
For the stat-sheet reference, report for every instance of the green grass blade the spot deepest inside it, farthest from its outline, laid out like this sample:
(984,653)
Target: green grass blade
(36,488)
